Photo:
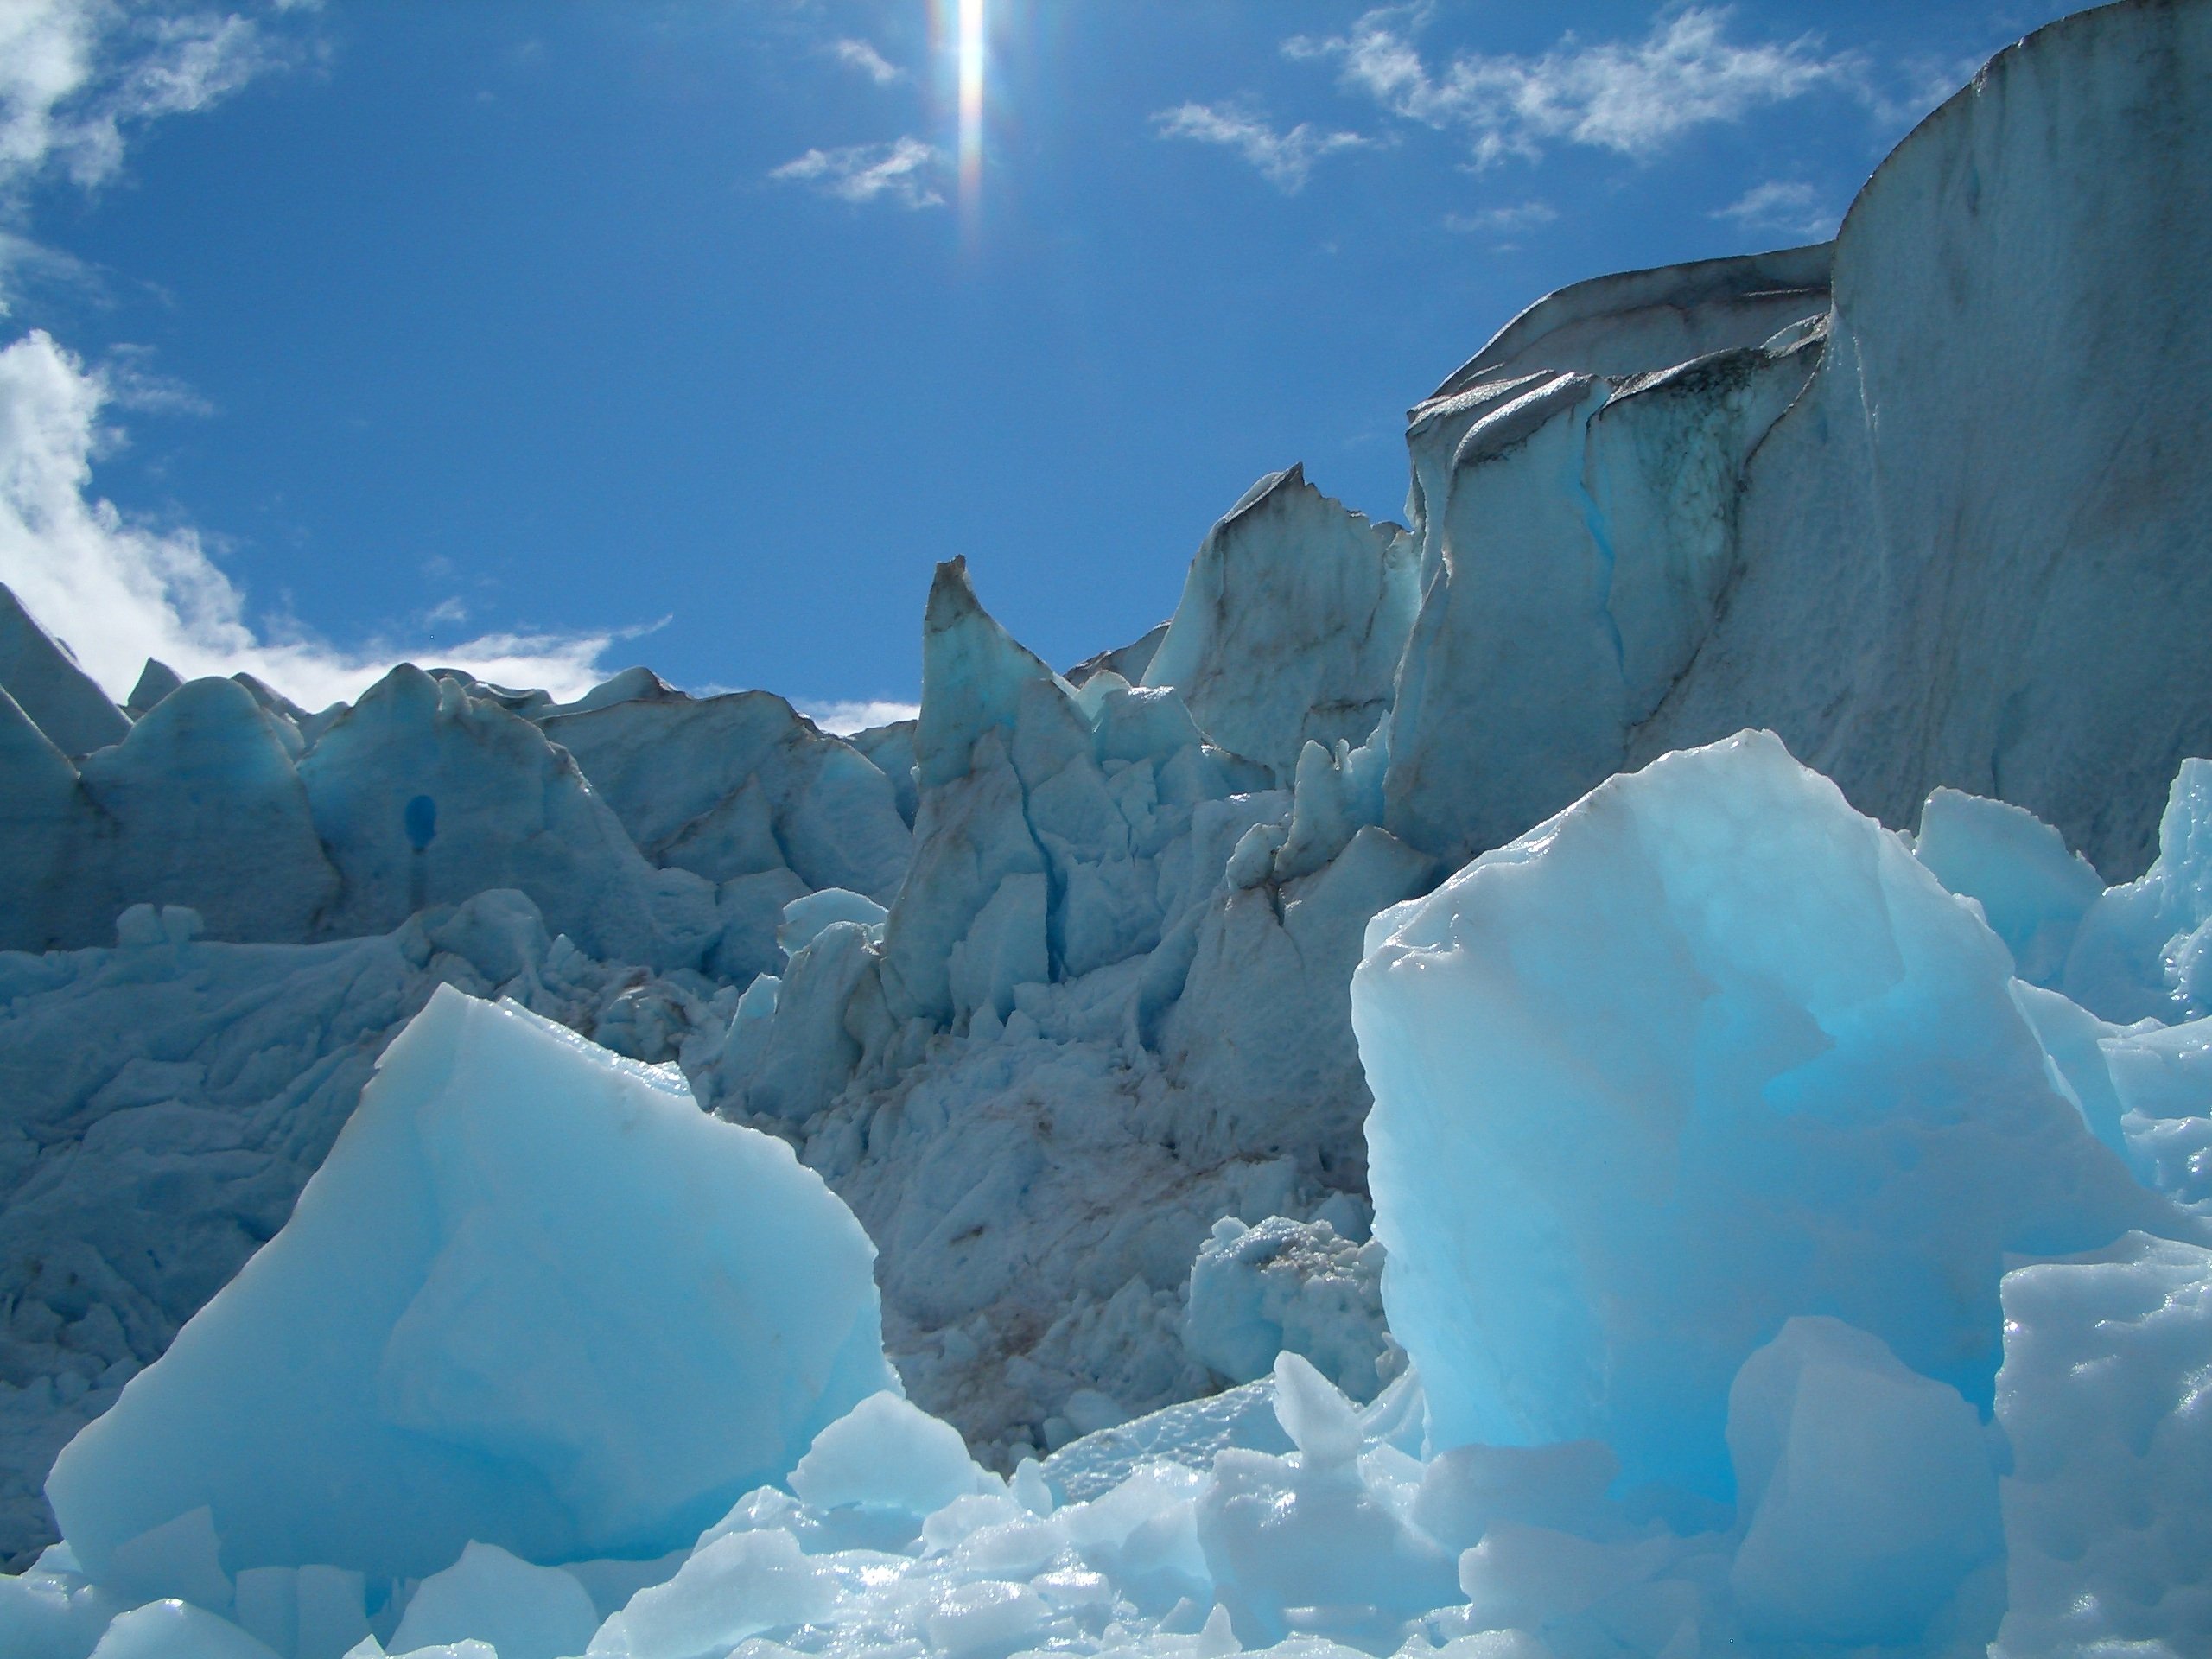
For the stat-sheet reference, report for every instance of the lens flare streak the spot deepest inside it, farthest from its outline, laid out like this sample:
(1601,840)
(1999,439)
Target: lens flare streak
(973,53)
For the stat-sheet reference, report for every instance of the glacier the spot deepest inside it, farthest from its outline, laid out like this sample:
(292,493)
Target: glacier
(1623,1068)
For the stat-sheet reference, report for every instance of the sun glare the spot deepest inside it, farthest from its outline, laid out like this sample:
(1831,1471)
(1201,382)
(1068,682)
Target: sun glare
(973,50)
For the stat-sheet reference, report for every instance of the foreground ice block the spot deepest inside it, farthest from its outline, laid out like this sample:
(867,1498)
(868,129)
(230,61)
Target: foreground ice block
(534,1298)
(1705,1052)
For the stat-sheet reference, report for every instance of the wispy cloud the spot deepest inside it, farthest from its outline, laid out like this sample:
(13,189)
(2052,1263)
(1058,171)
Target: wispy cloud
(862,56)
(1632,98)
(77,76)
(1503,221)
(903,172)
(119,592)
(129,380)
(1784,206)
(847,717)
(1284,158)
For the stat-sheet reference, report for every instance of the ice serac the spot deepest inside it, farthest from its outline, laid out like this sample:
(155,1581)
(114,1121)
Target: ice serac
(1291,623)
(974,839)
(1045,823)
(46,828)
(1707,1051)
(1574,498)
(39,673)
(737,785)
(892,748)
(991,1081)
(156,681)
(1971,552)
(534,1298)
(424,794)
(201,805)
(1129,661)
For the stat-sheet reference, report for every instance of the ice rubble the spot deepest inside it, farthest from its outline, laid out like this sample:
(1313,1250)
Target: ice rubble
(1850,1082)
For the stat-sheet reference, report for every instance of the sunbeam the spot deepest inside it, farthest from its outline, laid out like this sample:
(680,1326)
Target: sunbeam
(973,52)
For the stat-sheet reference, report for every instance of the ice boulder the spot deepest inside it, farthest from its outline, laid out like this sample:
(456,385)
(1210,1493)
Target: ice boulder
(1706,1050)
(534,1298)
(2103,1397)
(171,1629)
(886,1453)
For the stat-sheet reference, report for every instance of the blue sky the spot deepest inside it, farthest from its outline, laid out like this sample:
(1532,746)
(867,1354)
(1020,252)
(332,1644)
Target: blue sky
(549,338)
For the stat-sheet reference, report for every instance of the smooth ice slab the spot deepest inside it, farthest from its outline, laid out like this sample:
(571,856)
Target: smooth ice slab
(1705,1050)
(534,1298)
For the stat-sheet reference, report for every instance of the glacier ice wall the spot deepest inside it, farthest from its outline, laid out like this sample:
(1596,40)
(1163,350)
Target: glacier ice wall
(1942,531)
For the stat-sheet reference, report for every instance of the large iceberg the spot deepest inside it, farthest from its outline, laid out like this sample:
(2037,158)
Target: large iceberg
(534,1298)
(1708,1051)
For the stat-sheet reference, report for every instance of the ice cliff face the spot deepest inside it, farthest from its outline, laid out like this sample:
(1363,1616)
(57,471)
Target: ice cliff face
(1050,982)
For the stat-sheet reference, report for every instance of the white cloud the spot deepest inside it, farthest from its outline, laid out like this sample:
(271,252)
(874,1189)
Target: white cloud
(1783,206)
(862,55)
(119,592)
(902,171)
(1284,158)
(845,718)
(77,75)
(129,380)
(1503,221)
(1629,98)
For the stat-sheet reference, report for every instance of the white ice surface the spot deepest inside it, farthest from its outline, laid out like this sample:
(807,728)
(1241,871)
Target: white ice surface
(2104,1401)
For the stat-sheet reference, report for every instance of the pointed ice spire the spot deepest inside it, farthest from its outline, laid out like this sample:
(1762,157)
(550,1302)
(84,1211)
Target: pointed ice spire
(43,816)
(156,681)
(973,671)
(42,676)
